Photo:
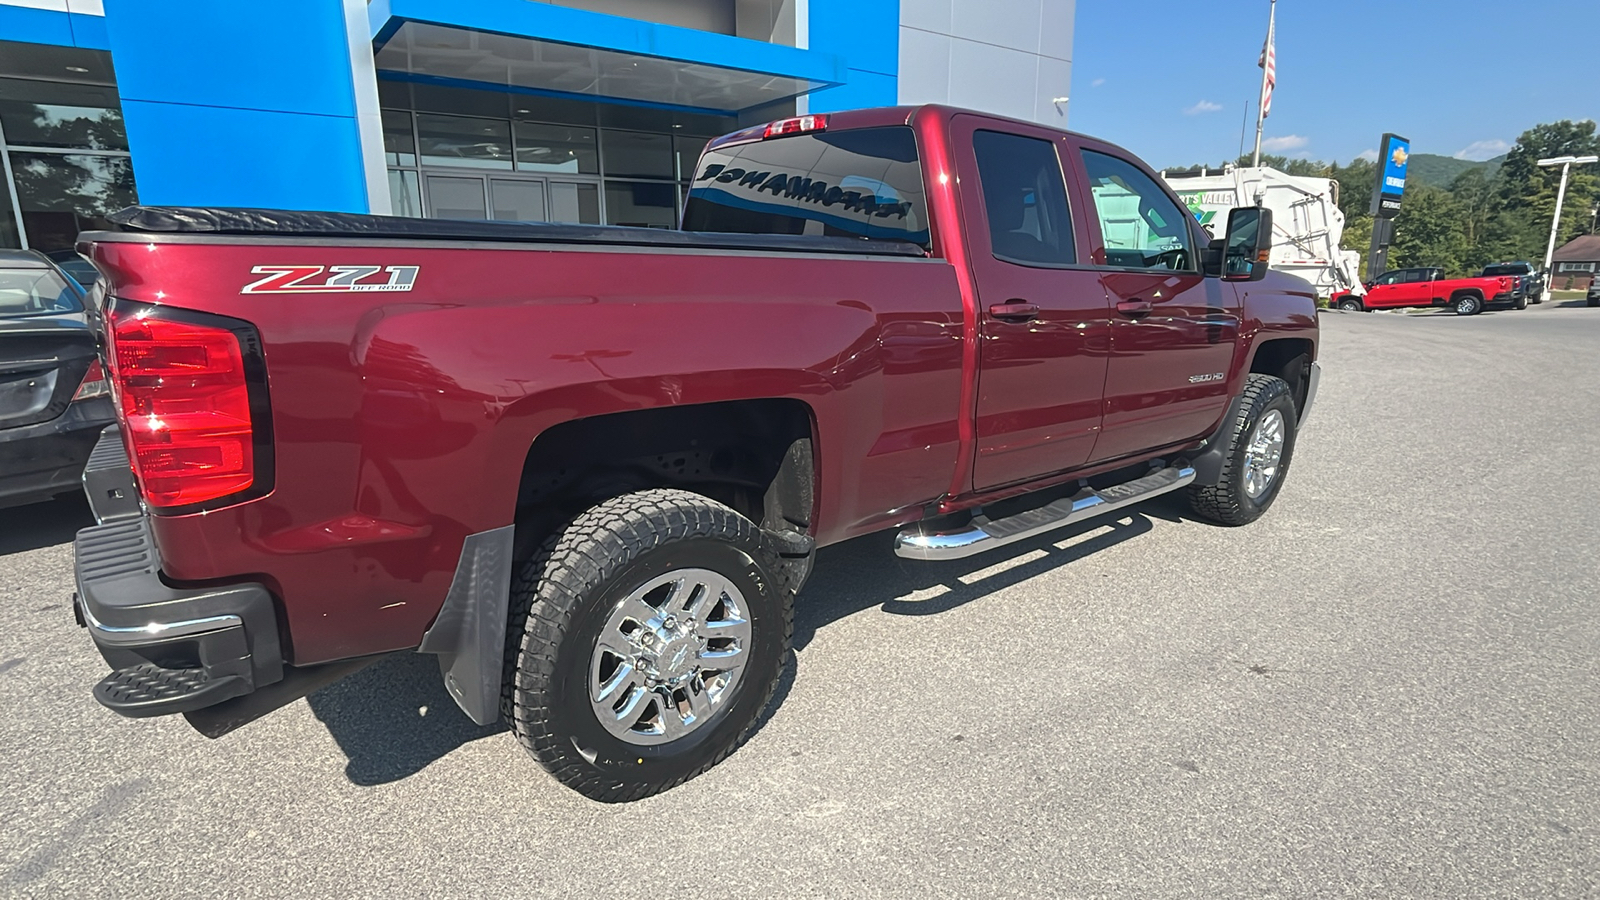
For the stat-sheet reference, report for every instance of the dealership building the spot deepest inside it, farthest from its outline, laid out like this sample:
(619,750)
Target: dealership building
(588,111)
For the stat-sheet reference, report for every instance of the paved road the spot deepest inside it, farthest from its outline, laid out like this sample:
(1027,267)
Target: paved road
(1385,688)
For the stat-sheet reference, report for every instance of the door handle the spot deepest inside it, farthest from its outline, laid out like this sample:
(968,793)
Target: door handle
(1015,309)
(1134,308)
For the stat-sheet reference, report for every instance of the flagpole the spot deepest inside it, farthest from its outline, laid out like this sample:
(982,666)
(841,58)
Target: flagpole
(1272,21)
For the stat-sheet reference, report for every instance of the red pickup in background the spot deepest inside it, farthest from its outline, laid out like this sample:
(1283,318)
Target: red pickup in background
(1425,287)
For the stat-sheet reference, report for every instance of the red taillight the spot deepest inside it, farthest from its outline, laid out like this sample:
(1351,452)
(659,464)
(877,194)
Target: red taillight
(797,125)
(184,402)
(93,384)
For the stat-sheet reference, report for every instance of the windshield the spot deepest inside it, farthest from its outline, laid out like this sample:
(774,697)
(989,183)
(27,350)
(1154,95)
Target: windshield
(861,183)
(35,292)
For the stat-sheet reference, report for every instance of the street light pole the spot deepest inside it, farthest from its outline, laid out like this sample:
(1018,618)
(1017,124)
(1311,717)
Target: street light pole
(1566,163)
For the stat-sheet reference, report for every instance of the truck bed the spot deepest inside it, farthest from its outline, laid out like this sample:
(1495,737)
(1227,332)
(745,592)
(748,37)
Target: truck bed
(325,225)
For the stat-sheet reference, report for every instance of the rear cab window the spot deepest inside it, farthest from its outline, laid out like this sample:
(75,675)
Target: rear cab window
(864,182)
(1025,199)
(35,292)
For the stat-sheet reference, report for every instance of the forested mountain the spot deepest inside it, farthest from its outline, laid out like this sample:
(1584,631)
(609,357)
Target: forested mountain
(1439,171)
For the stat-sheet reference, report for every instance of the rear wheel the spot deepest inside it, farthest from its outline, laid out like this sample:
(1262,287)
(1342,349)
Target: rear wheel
(1260,446)
(648,634)
(1467,304)
(1522,302)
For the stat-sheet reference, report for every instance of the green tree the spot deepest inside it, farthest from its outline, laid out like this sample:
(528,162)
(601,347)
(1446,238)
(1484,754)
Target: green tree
(1527,190)
(1479,200)
(1429,232)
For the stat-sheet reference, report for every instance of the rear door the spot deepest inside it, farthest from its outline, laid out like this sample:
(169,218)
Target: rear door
(1042,312)
(1173,331)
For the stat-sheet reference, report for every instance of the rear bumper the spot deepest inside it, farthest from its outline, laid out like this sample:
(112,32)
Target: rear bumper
(172,649)
(40,461)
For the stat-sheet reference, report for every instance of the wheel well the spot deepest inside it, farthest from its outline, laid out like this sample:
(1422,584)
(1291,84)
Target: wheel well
(1289,359)
(752,455)
(1467,292)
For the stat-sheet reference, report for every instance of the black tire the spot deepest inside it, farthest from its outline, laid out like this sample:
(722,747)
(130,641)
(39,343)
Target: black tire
(560,603)
(1350,304)
(1467,304)
(1227,502)
(1594,301)
(1522,302)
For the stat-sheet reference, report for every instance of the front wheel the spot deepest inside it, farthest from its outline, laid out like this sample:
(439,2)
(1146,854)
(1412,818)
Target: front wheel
(647,636)
(1260,446)
(1468,305)
(1350,304)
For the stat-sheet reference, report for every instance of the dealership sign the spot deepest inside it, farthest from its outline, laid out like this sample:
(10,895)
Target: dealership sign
(1391,186)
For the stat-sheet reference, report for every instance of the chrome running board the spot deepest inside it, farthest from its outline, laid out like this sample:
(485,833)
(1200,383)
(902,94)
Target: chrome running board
(983,533)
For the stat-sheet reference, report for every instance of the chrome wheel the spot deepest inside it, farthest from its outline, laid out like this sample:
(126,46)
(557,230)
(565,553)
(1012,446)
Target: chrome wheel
(669,657)
(1264,454)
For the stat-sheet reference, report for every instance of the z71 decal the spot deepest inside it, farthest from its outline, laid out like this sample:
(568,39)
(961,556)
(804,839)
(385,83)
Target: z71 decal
(304,280)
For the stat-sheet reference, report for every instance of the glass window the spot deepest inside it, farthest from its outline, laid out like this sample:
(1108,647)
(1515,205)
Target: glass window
(517,201)
(62,194)
(464,141)
(632,154)
(454,197)
(1388,278)
(399,144)
(1025,199)
(73,116)
(1143,228)
(865,182)
(577,204)
(35,292)
(405,198)
(650,204)
(556,148)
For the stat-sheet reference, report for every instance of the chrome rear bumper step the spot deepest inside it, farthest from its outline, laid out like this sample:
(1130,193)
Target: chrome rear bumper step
(983,534)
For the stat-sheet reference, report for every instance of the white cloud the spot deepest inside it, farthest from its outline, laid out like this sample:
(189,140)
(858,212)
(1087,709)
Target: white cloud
(1287,142)
(1097,82)
(1478,151)
(1368,155)
(1204,106)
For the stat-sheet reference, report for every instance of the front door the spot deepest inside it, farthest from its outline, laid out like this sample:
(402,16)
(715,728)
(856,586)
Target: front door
(1173,331)
(1042,316)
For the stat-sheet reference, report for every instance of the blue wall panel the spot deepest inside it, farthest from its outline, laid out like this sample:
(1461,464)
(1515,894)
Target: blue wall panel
(289,55)
(35,26)
(866,33)
(89,32)
(239,104)
(210,156)
(860,91)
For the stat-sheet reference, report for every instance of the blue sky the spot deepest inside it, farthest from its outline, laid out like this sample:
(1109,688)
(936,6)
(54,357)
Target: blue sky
(1170,80)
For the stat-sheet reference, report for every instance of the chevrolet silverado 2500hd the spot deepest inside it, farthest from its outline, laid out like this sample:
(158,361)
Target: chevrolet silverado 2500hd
(588,467)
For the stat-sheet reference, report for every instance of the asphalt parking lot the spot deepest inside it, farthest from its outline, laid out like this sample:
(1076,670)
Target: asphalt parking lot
(1386,687)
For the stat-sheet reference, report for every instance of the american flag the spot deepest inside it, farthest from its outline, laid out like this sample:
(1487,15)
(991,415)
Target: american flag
(1269,62)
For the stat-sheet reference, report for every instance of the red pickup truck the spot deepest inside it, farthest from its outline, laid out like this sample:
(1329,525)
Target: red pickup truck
(589,468)
(1424,287)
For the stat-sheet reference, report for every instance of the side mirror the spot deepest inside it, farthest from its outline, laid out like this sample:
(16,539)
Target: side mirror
(1248,246)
